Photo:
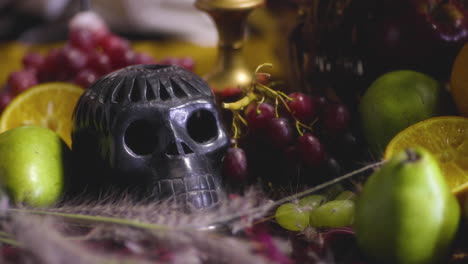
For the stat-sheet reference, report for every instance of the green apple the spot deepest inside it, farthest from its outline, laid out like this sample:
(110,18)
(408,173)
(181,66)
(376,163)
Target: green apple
(32,165)
(395,101)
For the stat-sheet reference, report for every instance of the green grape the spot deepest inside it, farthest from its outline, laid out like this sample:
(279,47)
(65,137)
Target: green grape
(333,190)
(291,217)
(346,195)
(337,213)
(312,201)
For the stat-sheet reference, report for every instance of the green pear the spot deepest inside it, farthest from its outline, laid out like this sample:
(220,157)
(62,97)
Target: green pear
(33,162)
(406,213)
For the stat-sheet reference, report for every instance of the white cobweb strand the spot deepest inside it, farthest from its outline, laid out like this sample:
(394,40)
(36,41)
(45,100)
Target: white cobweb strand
(88,20)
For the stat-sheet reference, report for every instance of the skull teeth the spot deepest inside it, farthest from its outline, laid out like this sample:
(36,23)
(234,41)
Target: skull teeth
(199,191)
(199,199)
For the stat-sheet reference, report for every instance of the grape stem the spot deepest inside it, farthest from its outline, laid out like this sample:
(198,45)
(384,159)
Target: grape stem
(235,129)
(241,103)
(300,125)
(252,86)
(251,96)
(276,108)
(263,65)
(267,90)
(298,128)
(235,133)
(254,92)
(243,121)
(258,105)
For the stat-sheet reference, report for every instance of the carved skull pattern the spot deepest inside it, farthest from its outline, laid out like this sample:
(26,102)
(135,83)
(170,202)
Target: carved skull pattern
(154,129)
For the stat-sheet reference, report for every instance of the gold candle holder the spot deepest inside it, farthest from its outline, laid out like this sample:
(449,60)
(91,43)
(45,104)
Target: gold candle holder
(230,17)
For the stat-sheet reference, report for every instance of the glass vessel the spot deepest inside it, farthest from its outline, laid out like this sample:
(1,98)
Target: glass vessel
(230,16)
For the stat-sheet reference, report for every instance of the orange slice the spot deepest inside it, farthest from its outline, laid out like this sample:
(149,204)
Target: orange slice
(48,105)
(447,139)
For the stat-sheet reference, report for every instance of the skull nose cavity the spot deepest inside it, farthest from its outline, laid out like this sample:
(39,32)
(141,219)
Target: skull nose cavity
(186,148)
(179,149)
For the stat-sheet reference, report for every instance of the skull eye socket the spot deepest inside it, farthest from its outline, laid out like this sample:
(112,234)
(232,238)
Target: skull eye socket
(202,126)
(141,137)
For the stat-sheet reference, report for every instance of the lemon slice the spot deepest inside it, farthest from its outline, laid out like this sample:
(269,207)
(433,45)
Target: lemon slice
(48,105)
(447,139)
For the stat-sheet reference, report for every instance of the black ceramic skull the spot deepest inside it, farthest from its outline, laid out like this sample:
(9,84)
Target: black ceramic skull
(154,129)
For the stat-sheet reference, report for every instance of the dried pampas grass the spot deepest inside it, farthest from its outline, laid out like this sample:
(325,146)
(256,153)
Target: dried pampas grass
(60,234)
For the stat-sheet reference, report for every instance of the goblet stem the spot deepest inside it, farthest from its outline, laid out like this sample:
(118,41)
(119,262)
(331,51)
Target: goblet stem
(230,17)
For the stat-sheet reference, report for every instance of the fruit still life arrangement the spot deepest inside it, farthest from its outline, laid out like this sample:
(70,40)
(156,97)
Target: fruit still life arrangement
(108,155)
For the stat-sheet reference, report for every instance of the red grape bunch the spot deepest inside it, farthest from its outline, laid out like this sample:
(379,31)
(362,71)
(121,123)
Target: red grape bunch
(277,136)
(90,51)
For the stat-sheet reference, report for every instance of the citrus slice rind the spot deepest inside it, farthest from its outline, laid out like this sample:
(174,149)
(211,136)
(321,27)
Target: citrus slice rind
(447,139)
(48,105)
